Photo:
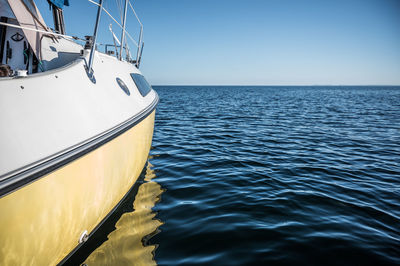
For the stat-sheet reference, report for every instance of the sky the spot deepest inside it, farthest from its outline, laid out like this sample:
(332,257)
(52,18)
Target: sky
(256,42)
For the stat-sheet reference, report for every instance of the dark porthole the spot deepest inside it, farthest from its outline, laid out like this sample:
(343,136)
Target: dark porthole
(123,86)
(141,83)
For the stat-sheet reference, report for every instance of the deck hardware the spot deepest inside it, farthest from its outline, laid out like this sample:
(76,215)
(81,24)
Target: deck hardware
(88,43)
(8,52)
(84,237)
(21,73)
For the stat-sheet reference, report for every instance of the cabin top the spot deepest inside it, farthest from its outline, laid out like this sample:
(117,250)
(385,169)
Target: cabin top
(29,46)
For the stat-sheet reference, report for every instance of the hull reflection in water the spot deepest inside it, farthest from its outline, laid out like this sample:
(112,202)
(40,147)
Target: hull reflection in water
(126,245)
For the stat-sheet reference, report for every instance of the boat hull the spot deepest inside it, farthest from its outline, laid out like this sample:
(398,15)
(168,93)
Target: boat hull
(45,219)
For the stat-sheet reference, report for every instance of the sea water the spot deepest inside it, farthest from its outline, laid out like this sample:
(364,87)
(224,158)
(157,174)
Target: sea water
(264,175)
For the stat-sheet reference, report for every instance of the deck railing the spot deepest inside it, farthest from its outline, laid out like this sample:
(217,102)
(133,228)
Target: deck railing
(91,42)
(122,43)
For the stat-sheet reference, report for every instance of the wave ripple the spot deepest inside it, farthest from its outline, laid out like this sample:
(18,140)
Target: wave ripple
(280,175)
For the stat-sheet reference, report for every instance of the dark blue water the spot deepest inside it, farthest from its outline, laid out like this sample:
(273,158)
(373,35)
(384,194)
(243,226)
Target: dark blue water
(275,175)
(279,175)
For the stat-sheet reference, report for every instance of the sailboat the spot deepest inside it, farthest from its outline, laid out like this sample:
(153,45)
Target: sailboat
(77,120)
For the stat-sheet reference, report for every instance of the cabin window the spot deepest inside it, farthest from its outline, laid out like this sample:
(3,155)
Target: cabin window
(141,83)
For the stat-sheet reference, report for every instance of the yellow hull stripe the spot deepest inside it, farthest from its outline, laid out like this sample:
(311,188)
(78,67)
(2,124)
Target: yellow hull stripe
(41,223)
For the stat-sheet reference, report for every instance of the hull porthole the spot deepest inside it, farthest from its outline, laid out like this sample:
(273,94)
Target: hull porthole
(123,86)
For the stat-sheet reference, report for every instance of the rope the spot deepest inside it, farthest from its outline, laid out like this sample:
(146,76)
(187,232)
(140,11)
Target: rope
(135,13)
(130,37)
(119,8)
(42,31)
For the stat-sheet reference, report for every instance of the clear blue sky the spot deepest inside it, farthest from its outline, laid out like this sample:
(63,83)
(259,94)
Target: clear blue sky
(257,42)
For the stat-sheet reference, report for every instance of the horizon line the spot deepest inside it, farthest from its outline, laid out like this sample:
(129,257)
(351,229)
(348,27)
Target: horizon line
(279,85)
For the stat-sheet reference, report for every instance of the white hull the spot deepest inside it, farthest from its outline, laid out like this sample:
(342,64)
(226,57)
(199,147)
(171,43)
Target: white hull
(49,113)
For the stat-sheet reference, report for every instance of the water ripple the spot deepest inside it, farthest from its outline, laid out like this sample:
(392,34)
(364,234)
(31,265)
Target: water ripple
(279,175)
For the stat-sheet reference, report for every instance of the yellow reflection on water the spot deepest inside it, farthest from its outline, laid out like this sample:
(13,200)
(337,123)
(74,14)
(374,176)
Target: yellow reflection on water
(125,244)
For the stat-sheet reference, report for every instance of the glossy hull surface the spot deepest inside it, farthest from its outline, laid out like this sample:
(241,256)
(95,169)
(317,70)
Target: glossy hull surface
(127,244)
(45,219)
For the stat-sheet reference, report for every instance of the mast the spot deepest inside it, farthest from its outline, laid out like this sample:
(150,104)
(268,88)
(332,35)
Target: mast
(58,19)
(58,16)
